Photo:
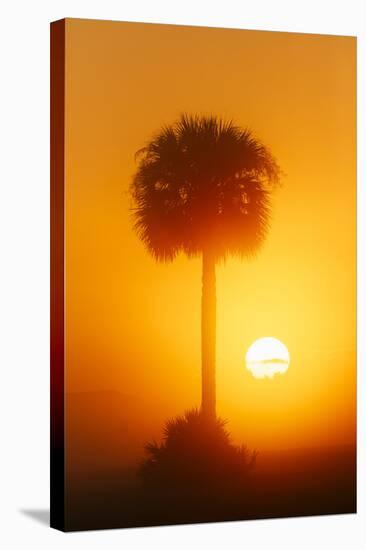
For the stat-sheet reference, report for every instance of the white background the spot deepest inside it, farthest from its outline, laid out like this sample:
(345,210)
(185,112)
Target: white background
(24,271)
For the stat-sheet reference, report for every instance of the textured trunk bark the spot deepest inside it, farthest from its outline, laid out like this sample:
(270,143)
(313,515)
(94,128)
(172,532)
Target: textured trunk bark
(208,335)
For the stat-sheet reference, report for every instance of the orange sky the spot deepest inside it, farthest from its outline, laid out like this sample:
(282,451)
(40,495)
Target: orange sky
(133,325)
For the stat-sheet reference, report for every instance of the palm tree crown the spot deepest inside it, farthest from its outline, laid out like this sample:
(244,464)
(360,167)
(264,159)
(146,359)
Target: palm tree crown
(203,184)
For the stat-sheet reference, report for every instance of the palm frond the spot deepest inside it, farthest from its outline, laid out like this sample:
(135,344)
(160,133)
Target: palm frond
(195,452)
(203,182)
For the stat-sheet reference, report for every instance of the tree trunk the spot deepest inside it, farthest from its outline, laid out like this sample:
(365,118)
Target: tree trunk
(208,335)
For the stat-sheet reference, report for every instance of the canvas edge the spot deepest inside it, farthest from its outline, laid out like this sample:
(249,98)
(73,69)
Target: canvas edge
(57,176)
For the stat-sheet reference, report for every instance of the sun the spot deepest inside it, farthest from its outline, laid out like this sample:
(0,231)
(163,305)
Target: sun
(267,357)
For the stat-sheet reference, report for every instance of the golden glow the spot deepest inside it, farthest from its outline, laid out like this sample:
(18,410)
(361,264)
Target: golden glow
(133,325)
(267,357)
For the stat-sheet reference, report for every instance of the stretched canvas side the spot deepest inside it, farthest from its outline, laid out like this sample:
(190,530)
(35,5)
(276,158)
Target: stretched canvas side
(57,458)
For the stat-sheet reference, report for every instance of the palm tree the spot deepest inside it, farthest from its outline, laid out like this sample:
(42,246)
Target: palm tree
(203,187)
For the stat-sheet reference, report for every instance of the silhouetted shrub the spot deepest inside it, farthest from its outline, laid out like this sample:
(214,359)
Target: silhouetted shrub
(196,453)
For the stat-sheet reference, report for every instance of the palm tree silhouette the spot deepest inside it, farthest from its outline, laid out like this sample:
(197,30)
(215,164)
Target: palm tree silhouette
(202,187)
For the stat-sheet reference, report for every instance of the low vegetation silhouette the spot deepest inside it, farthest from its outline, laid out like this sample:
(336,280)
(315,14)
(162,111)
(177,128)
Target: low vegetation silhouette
(196,474)
(195,455)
